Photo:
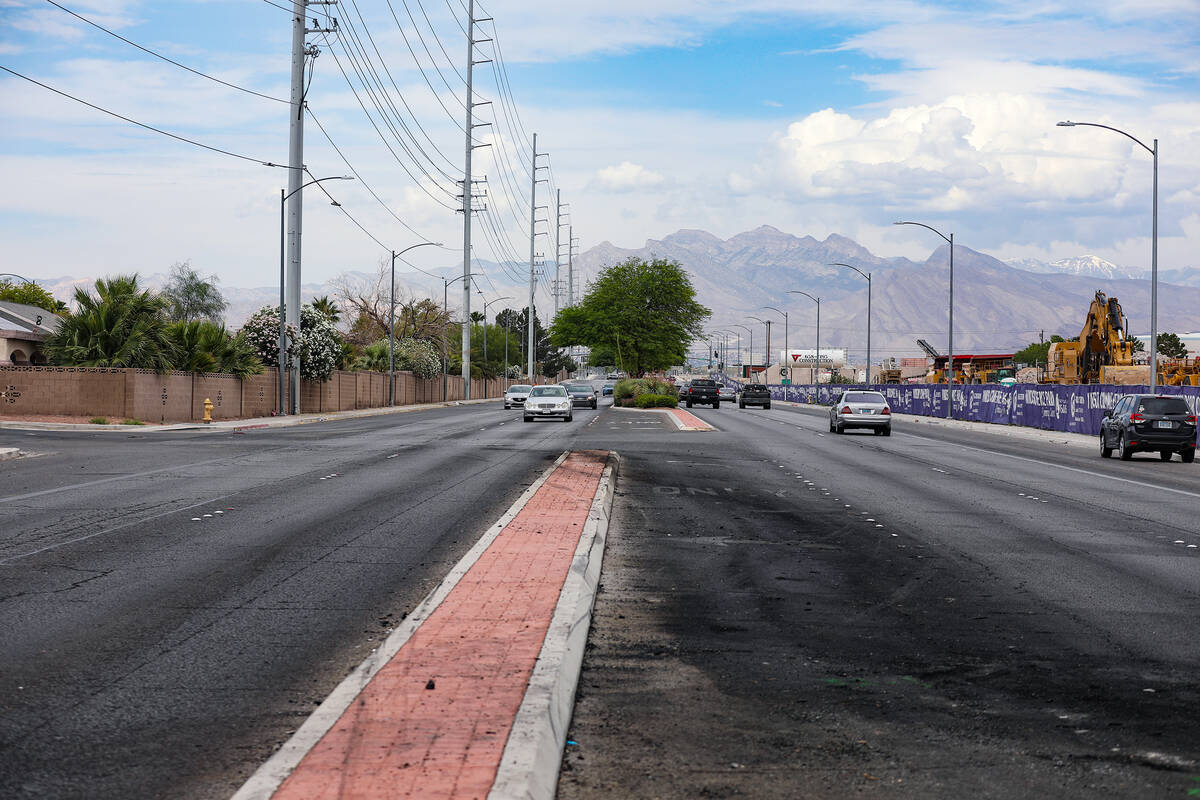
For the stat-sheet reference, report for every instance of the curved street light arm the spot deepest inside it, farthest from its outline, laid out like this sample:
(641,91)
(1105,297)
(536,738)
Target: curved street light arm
(318,180)
(15,275)
(927,227)
(817,300)
(776,310)
(1069,124)
(866,275)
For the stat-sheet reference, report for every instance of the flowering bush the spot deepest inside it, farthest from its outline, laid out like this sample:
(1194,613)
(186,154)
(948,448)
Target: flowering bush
(419,357)
(319,346)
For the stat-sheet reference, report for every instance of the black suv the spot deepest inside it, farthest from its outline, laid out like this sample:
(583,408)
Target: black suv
(1149,422)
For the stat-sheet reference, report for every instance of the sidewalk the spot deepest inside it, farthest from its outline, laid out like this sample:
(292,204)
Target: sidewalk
(237,424)
(471,696)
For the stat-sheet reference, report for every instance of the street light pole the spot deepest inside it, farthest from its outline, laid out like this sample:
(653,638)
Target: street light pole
(487,303)
(817,360)
(1153,151)
(284,196)
(445,319)
(785,345)
(950,338)
(392,322)
(866,275)
(751,332)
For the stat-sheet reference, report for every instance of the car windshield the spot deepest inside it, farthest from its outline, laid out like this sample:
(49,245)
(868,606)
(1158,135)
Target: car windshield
(548,391)
(519,388)
(864,397)
(1163,405)
(578,387)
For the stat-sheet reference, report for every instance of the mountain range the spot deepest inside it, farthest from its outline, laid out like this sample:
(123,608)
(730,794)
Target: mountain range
(998,306)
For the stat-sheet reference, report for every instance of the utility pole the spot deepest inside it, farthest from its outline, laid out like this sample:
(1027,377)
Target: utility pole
(301,51)
(557,247)
(532,254)
(571,265)
(467,187)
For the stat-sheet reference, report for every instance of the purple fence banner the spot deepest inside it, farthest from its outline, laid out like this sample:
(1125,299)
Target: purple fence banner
(1070,409)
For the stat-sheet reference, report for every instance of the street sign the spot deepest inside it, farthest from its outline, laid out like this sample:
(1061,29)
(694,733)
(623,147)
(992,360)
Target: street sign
(786,381)
(783,372)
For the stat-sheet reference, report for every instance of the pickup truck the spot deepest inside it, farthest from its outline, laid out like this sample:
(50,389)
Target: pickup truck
(703,391)
(754,394)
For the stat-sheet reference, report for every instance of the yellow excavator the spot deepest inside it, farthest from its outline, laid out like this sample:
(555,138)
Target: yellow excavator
(1102,353)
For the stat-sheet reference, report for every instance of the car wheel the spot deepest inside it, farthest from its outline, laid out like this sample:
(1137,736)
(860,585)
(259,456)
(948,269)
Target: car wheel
(741,404)
(593,405)
(1105,450)
(717,404)
(1123,446)
(569,418)
(839,429)
(528,419)
(1165,455)
(887,431)
(689,403)
(767,407)
(831,426)
(1188,456)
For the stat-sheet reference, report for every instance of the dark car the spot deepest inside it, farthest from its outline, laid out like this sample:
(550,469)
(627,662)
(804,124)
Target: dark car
(582,394)
(754,394)
(703,391)
(1141,422)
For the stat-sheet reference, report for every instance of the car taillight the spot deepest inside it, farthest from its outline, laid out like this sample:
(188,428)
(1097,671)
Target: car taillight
(886,410)
(1190,420)
(1136,417)
(846,410)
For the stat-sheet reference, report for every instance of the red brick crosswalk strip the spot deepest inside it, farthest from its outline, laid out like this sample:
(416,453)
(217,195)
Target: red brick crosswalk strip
(433,721)
(688,421)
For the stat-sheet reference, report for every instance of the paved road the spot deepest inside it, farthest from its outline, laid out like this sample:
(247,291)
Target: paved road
(790,613)
(783,612)
(146,654)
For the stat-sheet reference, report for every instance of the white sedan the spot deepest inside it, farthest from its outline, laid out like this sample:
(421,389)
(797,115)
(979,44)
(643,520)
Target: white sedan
(516,396)
(549,401)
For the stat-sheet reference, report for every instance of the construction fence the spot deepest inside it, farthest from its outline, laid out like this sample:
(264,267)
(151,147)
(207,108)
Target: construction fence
(1070,409)
(150,396)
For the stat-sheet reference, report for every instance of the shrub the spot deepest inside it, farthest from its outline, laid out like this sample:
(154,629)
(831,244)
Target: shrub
(132,421)
(655,401)
(98,420)
(319,348)
(626,392)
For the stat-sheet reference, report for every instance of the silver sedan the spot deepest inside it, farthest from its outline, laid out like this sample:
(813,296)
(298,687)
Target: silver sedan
(516,395)
(859,409)
(726,392)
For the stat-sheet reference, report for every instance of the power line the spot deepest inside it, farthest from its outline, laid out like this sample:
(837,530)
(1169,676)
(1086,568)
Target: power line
(177,137)
(164,58)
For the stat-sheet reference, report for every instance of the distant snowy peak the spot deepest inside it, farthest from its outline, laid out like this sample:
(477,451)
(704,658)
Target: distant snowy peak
(1085,266)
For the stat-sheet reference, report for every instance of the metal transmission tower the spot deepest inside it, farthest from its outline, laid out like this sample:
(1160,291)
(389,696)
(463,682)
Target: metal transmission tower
(533,209)
(558,226)
(571,248)
(467,208)
(301,52)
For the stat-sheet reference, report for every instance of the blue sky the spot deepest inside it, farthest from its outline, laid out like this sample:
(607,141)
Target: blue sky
(814,116)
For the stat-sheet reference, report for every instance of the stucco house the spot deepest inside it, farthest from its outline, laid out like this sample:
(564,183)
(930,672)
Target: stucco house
(22,330)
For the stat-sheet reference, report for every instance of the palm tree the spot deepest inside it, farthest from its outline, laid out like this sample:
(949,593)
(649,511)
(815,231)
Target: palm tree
(121,325)
(204,346)
(327,307)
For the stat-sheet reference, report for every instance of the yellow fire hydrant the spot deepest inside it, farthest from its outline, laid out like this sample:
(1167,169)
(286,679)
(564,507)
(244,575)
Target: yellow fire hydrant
(208,407)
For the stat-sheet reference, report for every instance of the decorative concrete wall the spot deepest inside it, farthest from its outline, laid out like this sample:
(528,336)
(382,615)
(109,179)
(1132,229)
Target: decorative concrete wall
(179,396)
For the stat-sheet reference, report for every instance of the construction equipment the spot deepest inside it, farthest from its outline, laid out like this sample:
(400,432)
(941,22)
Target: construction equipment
(1102,346)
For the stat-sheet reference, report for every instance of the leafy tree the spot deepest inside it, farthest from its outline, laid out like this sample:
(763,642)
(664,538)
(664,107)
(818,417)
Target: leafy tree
(323,305)
(191,297)
(1037,352)
(121,325)
(602,357)
(205,346)
(319,347)
(644,311)
(545,355)
(412,355)
(477,317)
(1138,345)
(368,302)
(31,294)
(1170,346)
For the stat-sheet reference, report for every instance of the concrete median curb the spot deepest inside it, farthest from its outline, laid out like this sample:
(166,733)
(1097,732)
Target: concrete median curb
(9,452)
(533,754)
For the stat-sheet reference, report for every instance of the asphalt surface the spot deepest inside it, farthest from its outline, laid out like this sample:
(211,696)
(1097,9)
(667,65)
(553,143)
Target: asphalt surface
(151,650)
(785,612)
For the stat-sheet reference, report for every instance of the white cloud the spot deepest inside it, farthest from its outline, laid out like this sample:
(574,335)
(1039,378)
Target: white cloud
(626,177)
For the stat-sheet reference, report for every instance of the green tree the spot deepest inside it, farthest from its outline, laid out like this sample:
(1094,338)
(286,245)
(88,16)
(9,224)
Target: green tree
(31,294)
(1036,353)
(121,325)
(602,357)
(644,311)
(1138,345)
(205,346)
(1170,346)
(190,296)
(545,354)
(323,305)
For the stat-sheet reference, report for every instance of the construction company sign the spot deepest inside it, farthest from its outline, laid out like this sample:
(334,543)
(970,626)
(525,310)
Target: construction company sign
(833,357)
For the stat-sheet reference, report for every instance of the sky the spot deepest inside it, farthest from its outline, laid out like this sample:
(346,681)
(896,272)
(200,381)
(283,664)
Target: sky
(813,116)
